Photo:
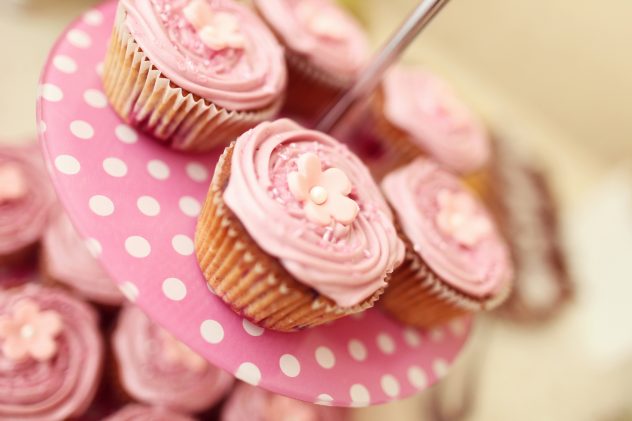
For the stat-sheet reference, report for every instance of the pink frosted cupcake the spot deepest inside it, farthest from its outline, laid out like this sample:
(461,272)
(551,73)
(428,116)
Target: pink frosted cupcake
(326,50)
(193,73)
(156,369)
(51,355)
(294,232)
(66,260)
(26,199)
(456,261)
(135,412)
(418,114)
(248,403)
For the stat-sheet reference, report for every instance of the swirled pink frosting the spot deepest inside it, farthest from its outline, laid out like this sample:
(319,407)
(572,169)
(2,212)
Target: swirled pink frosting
(345,263)
(62,387)
(68,260)
(425,107)
(25,208)
(323,32)
(149,373)
(248,78)
(248,403)
(449,228)
(135,412)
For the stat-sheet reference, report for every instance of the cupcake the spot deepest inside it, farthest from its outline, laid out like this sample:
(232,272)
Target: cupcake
(193,73)
(294,231)
(156,369)
(248,403)
(51,354)
(417,114)
(135,412)
(326,49)
(456,260)
(67,261)
(26,199)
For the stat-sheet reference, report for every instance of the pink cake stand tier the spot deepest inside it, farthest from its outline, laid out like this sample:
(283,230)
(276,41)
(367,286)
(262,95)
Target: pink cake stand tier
(136,204)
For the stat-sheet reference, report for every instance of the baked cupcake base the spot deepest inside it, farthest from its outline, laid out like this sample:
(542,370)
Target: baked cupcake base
(417,296)
(252,282)
(145,98)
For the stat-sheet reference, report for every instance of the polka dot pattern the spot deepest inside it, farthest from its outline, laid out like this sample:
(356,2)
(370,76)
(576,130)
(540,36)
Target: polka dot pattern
(138,203)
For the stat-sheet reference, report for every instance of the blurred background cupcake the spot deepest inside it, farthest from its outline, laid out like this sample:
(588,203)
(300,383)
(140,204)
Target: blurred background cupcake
(136,412)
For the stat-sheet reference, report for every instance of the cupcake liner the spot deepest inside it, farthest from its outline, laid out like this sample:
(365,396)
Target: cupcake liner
(251,281)
(311,91)
(147,99)
(419,297)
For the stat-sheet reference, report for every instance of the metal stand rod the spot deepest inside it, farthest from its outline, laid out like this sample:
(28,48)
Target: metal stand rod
(389,53)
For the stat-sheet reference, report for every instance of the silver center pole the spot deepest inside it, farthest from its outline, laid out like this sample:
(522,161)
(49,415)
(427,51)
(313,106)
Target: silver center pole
(370,78)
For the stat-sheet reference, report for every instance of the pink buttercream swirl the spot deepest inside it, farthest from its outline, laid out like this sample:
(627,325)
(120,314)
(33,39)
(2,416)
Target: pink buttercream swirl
(53,370)
(156,369)
(26,198)
(346,263)
(136,412)
(321,31)
(449,228)
(425,107)
(217,49)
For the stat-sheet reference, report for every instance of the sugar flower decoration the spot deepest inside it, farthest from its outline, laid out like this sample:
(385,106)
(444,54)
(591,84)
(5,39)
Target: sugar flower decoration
(216,30)
(322,193)
(30,332)
(175,352)
(322,21)
(12,184)
(459,216)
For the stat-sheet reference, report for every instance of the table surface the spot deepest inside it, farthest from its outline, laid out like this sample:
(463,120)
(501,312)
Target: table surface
(584,356)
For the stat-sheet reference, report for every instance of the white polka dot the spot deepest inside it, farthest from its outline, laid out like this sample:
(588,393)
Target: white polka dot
(249,373)
(457,326)
(190,206)
(51,92)
(42,127)
(126,134)
(212,331)
(137,246)
(158,169)
(101,205)
(290,365)
(115,167)
(81,129)
(251,328)
(197,172)
(174,289)
(324,399)
(93,17)
(359,395)
(129,290)
(99,68)
(437,335)
(148,206)
(417,377)
(95,98)
(94,247)
(357,350)
(64,64)
(412,337)
(78,38)
(325,357)
(183,245)
(385,343)
(67,164)
(440,367)
(390,385)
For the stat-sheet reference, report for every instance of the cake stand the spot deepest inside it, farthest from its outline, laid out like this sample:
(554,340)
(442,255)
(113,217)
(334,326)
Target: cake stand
(136,204)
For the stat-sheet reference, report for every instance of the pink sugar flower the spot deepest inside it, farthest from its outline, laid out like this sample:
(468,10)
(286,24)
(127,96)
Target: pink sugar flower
(460,217)
(216,30)
(323,193)
(29,332)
